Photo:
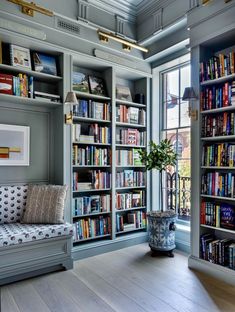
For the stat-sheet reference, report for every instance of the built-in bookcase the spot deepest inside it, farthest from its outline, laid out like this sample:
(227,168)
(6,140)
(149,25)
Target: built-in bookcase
(217,208)
(109,197)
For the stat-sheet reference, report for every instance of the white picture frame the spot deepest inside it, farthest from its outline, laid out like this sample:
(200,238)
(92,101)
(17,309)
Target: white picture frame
(20,57)
(14,145)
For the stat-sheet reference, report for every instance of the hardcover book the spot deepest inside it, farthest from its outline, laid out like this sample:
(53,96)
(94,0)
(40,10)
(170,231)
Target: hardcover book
(227,217)
(128,177)
(6,84)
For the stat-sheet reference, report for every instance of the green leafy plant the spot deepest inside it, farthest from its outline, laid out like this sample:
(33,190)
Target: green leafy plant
(159,157)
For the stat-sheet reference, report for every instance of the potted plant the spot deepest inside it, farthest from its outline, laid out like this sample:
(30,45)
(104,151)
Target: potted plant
(161,224)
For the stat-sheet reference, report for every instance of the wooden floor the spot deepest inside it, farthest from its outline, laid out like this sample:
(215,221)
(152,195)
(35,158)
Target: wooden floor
(127,280)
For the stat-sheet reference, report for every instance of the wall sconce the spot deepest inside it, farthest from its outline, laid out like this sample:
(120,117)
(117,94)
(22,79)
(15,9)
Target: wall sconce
(126,45)
(71,99)
(189,95)
(29,8)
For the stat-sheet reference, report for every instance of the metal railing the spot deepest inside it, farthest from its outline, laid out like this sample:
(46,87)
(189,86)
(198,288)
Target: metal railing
(178,194)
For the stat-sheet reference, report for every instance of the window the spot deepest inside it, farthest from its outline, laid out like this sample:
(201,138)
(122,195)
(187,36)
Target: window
(176,127)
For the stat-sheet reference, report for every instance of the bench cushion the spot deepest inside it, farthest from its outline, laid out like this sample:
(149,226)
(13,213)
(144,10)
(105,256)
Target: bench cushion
(12,203)
(17,233)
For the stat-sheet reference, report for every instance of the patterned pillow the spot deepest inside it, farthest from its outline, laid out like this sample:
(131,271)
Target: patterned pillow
(45,204)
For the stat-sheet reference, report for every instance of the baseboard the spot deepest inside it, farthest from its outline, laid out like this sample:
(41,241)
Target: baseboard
(214,270)
(96,248)
(182,246)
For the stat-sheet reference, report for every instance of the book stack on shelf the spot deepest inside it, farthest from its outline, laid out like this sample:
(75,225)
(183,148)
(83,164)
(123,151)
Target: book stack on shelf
(92,204)
(27,74)
(217,218)
(132,115)
(92,133)
(135,199)
(92,109)
(131,221)
(98,180)
(91,156)
(130,178)
(128,157)
(130,137)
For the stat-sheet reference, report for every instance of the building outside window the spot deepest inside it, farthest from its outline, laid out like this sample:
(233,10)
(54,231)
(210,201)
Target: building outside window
(176,127)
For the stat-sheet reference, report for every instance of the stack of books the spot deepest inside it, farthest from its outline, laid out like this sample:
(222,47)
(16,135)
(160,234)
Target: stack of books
(218,184)
(219,154)
(219,125)
(130,200)
(91,204)
(131,115)
(130,178)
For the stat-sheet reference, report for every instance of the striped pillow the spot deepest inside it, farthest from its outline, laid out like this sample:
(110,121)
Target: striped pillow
(45,204)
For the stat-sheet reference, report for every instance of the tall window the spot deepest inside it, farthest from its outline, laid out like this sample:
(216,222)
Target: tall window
(176,127)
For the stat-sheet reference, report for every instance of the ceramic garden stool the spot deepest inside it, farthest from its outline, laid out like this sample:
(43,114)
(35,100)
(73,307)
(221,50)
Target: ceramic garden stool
(161,231)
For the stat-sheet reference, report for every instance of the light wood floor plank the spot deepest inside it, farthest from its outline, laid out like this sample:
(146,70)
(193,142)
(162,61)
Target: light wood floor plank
(27,298)
(7,302)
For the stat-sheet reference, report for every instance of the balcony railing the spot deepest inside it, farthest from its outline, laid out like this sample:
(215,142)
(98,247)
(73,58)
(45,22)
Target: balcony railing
(178,195)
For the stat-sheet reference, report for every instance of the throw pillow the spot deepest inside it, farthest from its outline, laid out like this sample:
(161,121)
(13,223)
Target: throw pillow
(45,204)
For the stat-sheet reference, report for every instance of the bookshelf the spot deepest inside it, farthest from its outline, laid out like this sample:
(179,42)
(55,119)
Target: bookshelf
(129,218)
(217,199)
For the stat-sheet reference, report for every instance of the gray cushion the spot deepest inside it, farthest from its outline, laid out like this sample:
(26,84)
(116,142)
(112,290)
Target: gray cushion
(45,204)
(17,233)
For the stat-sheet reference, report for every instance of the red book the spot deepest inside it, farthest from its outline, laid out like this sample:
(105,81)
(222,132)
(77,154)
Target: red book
(226,90)
(6,84)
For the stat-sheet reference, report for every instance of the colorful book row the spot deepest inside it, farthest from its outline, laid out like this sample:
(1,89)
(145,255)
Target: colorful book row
(220,155)
(218,251)
(131,115)
(130,137)
(91,227)
(218,215)
(130,200)
(20,85)
(218,184)
(130,221)
(91,156)
(94,179)
(219,125)
(128,157)
(217,66)
(91,204)
(217,97)
(92,109)
(130,178)
(91,134)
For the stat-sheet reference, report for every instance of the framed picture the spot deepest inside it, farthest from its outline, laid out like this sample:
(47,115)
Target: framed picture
(20,57)
(80,82)
(123,93)
(97,85)
(44,63)
(14,145)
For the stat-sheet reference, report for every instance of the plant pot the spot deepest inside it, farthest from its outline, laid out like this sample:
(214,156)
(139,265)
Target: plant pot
(161,231)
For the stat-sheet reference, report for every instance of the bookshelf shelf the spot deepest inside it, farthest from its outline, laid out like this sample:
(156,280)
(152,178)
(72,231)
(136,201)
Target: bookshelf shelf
(91,214)
(131,230)
(218,80)
(129,125)
(131,166)
(88,167)
(27,101)
(130,146)
(91,238)
(217,168)
(89,143)
(218,197)
(219,138)
(84,95)
(218,228)
(218,110)
(130,188)
(37,75)
(90,120)
(130,209)
(92,190)
(128,103)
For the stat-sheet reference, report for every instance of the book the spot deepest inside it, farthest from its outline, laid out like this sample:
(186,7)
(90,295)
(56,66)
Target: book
(80,82)
(133,115)
(44,63)
(6,84)
(97,85)
(128,178)
(227,217)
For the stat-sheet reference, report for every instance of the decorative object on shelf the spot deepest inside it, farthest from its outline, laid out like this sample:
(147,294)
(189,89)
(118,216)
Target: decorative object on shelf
(189,95)
(123,93)
(29,8)
(97,85)
(14,145)
(160,157)
(71,99)
(44,63)
(20,57)
(80,82)
(126,44)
